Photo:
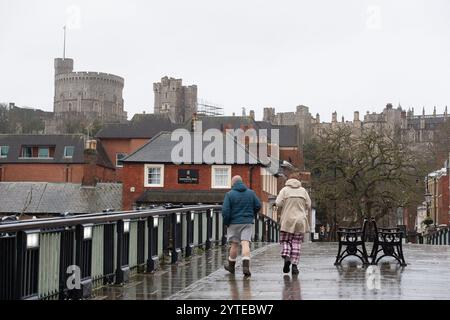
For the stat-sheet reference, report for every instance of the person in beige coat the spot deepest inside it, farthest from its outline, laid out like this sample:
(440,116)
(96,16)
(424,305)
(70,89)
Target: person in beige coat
(295,203)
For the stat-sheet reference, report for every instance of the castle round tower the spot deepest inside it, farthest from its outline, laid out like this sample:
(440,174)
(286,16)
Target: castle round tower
(91,95)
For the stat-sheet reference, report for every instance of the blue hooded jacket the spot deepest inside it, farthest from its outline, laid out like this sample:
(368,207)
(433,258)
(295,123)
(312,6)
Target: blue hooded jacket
(240,205)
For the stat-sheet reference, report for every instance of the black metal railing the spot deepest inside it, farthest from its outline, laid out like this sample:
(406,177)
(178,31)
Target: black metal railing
(440,236)
(68,257)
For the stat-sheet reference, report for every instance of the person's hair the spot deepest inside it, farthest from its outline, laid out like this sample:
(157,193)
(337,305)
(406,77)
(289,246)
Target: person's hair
(294,175)
(236,179)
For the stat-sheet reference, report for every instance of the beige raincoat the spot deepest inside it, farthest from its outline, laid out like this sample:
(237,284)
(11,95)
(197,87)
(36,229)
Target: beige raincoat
(295,203)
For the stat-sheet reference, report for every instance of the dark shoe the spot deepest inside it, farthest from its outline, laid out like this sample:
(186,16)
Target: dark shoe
(294,270)
(231,266)
(246,268)
(287,264)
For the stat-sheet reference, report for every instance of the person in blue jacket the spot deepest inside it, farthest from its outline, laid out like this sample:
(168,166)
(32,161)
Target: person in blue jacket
(239,209)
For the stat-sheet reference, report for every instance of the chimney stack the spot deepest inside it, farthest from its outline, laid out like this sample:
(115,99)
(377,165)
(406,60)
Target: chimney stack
(90,164)
(356,116)
(252,114)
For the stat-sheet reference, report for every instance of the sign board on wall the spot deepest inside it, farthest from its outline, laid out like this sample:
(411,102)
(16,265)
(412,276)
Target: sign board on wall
(188,176)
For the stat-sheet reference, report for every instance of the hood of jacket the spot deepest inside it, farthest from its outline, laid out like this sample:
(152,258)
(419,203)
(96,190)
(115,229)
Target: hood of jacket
(293,183)
(239,186)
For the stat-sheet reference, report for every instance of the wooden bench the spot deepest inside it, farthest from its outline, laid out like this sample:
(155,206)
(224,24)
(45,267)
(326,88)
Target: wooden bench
(387,242)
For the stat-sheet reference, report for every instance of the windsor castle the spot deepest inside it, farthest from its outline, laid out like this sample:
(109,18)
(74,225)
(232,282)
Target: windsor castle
(417,129)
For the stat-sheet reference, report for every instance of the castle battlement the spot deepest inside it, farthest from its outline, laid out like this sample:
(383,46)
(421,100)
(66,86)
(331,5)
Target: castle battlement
(88,75)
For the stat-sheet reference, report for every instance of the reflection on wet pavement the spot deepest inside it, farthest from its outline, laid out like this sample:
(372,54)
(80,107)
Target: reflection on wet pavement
(427,276)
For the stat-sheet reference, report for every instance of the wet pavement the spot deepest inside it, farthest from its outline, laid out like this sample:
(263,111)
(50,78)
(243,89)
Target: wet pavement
(427,276)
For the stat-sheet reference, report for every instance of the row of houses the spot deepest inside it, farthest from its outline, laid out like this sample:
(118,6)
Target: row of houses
(129,165)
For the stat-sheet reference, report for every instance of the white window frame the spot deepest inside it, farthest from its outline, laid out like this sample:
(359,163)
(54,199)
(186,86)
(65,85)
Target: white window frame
(213,180)
(117,160)
(65,153)
(151,166)
(1,147)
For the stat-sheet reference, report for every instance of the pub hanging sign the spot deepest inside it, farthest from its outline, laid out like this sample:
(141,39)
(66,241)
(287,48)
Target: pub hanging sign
(188,177)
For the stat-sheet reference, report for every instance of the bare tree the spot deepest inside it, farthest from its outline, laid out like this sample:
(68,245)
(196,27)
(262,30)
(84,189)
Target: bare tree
(366,174)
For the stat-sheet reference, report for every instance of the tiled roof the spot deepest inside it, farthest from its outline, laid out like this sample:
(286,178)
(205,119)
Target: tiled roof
(55,198)
(159,149)
(16,141)
(144,126)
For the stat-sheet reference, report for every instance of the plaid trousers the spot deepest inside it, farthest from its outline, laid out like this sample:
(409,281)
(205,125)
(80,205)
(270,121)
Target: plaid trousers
(292,244)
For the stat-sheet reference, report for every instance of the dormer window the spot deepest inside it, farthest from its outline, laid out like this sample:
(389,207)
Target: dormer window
(4,151)
(68,152)
(37,152)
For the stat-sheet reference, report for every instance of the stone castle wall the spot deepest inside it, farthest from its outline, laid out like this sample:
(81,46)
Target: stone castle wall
(412,128)
(89,94)
(171,97)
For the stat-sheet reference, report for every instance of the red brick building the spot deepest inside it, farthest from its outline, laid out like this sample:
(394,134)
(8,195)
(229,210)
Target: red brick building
(53,158)
(438,186)
(151,177)
(122,139)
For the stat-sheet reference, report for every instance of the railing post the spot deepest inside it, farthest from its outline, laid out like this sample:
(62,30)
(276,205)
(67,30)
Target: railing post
(8,252)
(263,231)
(273,230)
(152,247)
(66,259)
(224,235)
(209,215)
(176,230)
(141,242)
(189,233)
(217,226)
(83,260)
(256,236)
(27,271)
(123,242)
(270,230)
(200,229)
(108,253)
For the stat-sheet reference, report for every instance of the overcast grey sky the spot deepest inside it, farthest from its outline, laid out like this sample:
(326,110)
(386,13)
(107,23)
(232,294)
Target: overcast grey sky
(330,55)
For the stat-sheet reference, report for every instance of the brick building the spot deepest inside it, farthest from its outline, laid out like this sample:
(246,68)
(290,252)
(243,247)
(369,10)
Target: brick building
(53,158)
(122,139)
(151,177)
(438,186)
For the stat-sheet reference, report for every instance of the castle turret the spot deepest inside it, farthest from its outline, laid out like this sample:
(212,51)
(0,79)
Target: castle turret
(269,114)
(252,114)
(334,117)
(63,66)
(356,116)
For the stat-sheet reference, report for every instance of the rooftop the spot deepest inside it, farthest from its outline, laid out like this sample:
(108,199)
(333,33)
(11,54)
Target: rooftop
(160,148)
(42,198)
